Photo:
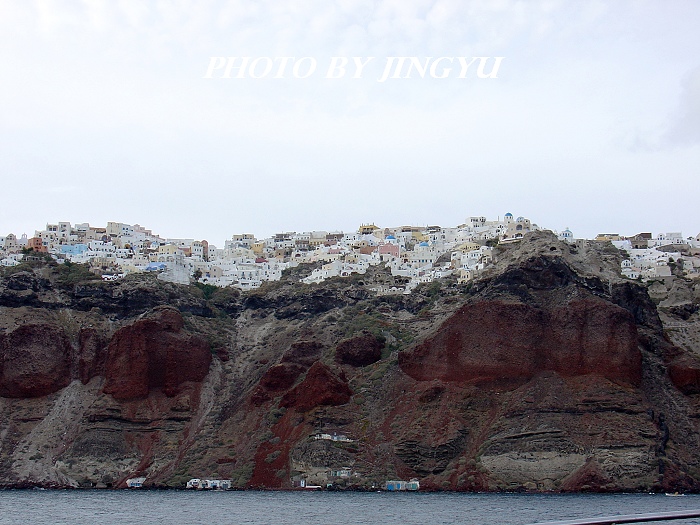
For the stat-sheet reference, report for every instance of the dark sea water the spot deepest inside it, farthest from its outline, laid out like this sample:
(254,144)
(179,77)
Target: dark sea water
(93,507)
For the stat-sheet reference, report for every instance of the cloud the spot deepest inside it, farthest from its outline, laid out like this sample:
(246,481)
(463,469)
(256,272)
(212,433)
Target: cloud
(588,95)
(684,129)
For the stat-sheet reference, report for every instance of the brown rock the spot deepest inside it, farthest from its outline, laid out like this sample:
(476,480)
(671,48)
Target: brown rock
(92,354)
(501,340)
(588,478)
(685,374)
(277,379)
(303,352)
(222,353)
(362,350)
(320,387)
(34,361)
(152,353)
(281,376)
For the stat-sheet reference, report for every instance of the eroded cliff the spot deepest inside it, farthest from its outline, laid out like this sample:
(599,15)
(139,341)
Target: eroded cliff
(549,373)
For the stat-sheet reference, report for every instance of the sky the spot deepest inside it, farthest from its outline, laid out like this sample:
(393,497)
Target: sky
(115,110)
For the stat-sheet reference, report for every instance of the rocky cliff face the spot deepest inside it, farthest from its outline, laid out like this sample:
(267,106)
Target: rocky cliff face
(549,373)
(490,340)
(154,353)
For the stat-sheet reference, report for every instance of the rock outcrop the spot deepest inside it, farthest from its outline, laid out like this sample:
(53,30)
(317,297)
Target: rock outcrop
(154,353)
(320,387)
(496,340)
(35,361)
(361,350)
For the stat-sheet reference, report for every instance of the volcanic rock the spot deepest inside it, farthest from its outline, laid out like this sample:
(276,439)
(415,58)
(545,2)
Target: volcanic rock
(154,352)
(548,372)
(303,353)
(361,350)
(93,354)
(684,372)
(35,361)
(320,387)
(502,340)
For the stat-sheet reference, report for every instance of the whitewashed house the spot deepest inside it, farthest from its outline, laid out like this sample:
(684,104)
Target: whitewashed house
(135,483)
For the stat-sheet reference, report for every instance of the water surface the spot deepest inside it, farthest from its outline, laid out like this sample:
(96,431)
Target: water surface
(144,507)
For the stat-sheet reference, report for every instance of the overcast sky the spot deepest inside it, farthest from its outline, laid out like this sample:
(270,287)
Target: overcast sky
(593,121)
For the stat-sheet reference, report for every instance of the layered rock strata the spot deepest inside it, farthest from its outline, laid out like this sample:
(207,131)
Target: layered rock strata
(550,372)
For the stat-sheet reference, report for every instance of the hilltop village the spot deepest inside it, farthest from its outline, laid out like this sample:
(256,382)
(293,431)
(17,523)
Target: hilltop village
(413,254)
(559,364)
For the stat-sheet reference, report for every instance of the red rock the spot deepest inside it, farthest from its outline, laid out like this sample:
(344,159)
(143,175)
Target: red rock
(34,361)
(92,354)
(493,340)
(359,351)
(289,430)
(684,373)
(277,379)
(281,376)
(588,478)
(320,387)
(674,479)
(303,352)
(154,352)
(222,353)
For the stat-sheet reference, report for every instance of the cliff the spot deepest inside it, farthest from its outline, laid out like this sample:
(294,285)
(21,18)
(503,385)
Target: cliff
(550,372)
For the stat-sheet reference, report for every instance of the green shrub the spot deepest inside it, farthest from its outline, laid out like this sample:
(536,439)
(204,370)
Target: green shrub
(207,289)
(70,274)
(272,456)
(241,476)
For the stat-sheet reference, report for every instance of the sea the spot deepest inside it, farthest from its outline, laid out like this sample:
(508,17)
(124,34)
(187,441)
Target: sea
(145,507)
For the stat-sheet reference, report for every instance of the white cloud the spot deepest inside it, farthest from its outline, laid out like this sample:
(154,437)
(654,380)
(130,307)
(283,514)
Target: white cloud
(685,127)
(104,91)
